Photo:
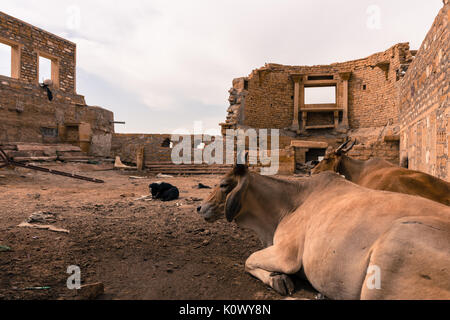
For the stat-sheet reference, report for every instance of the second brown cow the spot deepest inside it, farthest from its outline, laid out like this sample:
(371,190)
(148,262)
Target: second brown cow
(379,174)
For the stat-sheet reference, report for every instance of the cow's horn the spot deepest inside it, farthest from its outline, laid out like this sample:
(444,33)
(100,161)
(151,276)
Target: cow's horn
(350,147)
(342,146)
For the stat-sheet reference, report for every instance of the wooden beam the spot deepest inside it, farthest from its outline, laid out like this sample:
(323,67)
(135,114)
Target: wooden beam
(309,144)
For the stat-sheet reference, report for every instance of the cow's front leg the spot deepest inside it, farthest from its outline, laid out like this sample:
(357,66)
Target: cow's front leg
(272,266)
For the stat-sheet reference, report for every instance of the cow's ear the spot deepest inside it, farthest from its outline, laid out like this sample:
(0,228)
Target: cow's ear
(233,203)
(241,165)
(337,163)
(240,169)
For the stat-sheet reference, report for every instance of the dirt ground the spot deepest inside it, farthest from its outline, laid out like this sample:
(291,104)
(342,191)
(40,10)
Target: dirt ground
(138,249)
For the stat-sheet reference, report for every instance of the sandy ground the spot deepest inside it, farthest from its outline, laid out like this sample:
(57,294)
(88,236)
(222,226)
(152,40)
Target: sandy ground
(137,249)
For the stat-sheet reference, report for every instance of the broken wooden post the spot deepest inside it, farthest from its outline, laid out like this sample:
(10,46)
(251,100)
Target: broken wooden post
(140,158)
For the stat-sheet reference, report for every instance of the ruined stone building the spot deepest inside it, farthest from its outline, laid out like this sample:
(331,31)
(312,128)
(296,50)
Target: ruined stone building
(395,103)
(26,112)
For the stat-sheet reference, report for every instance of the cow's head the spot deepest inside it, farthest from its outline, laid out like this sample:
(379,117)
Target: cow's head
(226,196)
(332,160)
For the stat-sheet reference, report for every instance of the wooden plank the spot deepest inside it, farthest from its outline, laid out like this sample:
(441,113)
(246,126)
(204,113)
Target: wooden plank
(321,107)
(70,158)
(67,147)
(140,158)
(56,147)
(34,158)
(322,126)
(309,144)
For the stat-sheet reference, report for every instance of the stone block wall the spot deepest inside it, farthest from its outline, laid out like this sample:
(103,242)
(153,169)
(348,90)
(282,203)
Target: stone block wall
(424,103)
(32,42)
(28,116)
(265,99)
(157,147)
(126,145)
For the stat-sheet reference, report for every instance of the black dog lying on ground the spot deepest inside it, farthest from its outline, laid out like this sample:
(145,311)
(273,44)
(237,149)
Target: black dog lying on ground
(164,191)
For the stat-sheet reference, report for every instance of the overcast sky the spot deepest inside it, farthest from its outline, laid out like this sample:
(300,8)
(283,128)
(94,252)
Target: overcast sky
(161,65)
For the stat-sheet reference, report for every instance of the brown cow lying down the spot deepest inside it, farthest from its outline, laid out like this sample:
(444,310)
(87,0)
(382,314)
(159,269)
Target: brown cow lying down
(379,174)
(350,242)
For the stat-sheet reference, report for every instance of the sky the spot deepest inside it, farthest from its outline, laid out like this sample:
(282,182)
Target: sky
(162,65)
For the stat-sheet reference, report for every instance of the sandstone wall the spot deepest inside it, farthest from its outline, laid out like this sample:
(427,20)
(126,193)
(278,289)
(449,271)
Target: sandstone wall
(33,42)
(28,116)
(378,142)
(126,145)
(424,103)
(265,99)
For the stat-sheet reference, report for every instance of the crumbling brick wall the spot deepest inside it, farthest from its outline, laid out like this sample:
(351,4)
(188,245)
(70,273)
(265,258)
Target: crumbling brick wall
(424,103)
(27,114)
(34,42)
(265,99)
(155,149)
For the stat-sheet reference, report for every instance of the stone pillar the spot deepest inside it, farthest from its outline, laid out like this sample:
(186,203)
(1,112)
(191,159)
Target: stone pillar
(296,78)
(336,119)
(345,76)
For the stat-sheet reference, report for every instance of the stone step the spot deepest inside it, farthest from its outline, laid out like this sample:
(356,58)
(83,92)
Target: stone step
(44,152)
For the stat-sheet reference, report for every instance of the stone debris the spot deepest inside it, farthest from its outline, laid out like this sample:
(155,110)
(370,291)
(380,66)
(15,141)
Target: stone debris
(42,217)
(136,178)
(162,175)
(42,220)
(43,227)
(144,198)
(127,195)
(119,165)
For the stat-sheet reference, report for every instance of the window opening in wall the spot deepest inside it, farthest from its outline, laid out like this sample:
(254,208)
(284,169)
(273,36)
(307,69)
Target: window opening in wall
(45,69)
(49,132)
(315,154)
(364,87)
(166,143)
(319,95)
(5,60)
(245,84)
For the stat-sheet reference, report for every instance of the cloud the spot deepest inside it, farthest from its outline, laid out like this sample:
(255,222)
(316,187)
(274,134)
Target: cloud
(178,58)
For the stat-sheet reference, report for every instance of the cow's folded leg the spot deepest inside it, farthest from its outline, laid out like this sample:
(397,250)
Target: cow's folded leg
(272,267)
